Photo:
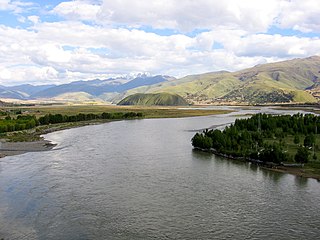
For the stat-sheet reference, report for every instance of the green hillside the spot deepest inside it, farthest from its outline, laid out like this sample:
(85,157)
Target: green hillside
(160,99)
(293,81)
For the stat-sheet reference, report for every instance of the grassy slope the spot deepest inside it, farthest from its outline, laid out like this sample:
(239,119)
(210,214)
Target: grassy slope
(160,99)
(274,82)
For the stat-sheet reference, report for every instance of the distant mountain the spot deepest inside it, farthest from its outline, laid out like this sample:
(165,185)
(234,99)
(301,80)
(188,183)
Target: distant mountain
(292,81)
(99,87)
(159,99)
(296,80)
(30,89)
(7,93)
(81,89)
(21,91)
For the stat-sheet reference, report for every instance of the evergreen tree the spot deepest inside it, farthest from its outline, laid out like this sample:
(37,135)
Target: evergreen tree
(302,155)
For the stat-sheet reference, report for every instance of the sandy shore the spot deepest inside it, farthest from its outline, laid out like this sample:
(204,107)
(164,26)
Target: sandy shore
(15,148)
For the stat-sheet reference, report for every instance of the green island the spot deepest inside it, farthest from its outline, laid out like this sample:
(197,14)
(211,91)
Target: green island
(283,143)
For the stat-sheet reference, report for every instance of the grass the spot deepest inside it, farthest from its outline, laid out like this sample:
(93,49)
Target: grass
(148,112)
(313,166)
(149,99)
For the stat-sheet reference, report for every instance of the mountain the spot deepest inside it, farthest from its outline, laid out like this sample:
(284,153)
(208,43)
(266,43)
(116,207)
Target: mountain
(158,99)
(30,89)
(296,80)
(92,89)
(291,81)
(23,91)
(98,87)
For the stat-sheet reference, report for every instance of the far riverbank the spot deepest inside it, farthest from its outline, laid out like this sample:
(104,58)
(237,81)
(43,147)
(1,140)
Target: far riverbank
(20,142)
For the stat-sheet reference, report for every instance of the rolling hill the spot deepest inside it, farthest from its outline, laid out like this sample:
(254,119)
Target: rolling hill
(295,81)
(291,81)
(158,99)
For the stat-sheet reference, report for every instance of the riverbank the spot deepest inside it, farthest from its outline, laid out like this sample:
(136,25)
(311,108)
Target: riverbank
(31,140)
(298,171)
(16,143)
(16,148)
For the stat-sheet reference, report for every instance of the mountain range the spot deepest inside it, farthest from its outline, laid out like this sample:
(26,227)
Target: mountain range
(291,81)
(80,90)
(296,81)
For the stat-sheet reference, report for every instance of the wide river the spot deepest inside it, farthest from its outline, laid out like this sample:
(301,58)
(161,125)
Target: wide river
(140,179)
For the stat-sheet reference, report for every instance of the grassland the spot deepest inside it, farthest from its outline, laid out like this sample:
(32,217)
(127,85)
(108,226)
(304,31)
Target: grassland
(310,168)
(148,112)
(157,99)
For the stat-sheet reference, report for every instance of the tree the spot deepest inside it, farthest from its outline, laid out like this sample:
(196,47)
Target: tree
(302,155)
(309,140)
(314,157)
(201,141)
(296,139)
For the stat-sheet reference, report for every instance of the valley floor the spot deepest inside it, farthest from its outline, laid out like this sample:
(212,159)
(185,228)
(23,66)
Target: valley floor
(20,142)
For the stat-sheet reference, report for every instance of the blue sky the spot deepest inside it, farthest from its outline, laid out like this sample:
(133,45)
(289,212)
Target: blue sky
(63,41)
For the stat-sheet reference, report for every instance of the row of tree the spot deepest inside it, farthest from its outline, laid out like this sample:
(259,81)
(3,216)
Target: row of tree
(23,122)
(246,137)
(20,123)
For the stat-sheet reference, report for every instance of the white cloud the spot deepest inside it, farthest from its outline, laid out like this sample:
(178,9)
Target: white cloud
(116,42)
(34,19)
(301,15)
(274,45)
(15,6)
(5,5)
(77,10)
(249,15)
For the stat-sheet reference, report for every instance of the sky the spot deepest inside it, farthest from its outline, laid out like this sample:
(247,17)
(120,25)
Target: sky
(44,42)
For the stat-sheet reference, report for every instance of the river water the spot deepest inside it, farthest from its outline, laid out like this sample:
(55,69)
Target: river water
(140,179)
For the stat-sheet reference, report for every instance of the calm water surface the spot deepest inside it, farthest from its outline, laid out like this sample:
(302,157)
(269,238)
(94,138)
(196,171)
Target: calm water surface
(140,179)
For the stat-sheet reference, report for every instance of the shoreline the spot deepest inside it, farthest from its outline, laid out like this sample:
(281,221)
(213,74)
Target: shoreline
(17,148)
(37,143)
(297,171)
(15,143)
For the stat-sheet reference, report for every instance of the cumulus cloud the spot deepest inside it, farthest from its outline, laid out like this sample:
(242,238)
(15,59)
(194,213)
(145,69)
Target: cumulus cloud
(301,15)
(98,39)
(77,10)
(249,15)
(15,6)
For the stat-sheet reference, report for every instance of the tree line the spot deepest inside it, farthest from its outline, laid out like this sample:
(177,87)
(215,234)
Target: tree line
(23,122)
(248,137)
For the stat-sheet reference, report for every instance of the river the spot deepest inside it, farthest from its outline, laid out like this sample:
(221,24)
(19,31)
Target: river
(140,179)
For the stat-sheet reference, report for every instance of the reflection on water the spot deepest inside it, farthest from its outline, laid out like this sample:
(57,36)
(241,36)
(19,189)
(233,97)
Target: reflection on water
(301,181)
(142,180)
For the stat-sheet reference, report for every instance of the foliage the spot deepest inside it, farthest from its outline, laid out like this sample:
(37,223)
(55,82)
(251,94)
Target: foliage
(309,140)
(23,122)
(296,139)
(202,141)
(20,123)
(59,118)
(302,155)
(263,137)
